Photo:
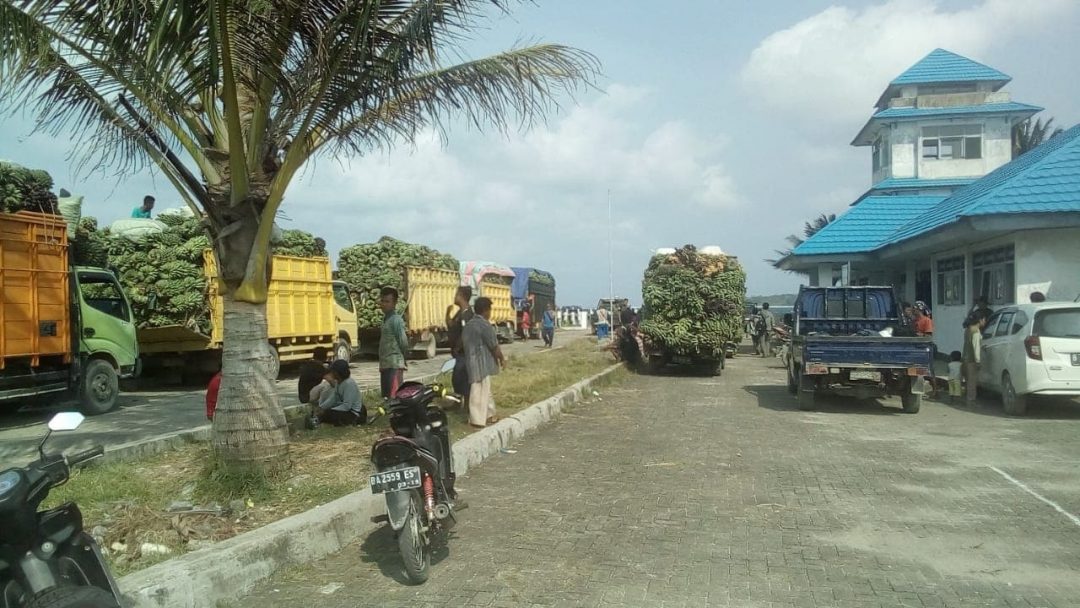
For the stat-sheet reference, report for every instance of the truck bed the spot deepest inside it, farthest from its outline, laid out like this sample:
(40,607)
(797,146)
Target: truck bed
(866,351)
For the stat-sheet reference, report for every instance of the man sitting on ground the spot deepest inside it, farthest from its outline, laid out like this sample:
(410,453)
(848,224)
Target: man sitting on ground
(341,405)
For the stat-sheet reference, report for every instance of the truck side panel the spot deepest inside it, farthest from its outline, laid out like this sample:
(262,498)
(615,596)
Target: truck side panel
(502,308)
(428,292)
(300,305)
(35,299)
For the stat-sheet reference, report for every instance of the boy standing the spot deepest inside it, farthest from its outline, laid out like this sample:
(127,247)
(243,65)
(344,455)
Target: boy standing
(956,375)
(393,344)
(547,330)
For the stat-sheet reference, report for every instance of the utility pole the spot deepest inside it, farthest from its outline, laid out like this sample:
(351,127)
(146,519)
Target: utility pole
(611,263)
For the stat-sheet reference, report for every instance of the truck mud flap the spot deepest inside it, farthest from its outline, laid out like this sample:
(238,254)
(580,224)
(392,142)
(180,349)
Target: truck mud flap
(919,386)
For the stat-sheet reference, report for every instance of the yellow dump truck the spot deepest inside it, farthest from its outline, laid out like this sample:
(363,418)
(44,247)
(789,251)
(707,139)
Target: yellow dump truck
(428,292)
(62,328)
(306,309)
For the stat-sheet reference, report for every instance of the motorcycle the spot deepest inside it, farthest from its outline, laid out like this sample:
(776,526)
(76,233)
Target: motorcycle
(47,560)
(413,470)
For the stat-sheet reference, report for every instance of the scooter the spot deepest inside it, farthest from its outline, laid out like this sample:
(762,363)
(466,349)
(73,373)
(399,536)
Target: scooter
(46,559)
(413,470)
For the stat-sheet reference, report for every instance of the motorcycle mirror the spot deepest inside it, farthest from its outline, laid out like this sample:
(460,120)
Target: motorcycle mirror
(448,366)
(66,421)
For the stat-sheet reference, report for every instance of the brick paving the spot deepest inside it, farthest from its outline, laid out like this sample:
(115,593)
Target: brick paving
(682,491)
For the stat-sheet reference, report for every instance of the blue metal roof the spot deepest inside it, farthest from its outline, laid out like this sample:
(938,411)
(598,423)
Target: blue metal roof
(868,225)
(1044,180)
(944,66)
(986,108)
(914,183)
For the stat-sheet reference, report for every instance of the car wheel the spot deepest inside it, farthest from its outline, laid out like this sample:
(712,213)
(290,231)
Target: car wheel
(1015,405)
(98,388)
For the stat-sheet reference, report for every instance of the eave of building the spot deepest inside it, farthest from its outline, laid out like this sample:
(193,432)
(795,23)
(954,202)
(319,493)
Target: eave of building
(866,135)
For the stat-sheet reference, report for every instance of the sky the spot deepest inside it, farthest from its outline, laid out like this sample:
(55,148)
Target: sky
(714,123)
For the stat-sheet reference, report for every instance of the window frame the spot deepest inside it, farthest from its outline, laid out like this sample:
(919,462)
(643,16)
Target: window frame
(961,138)
(951,277)
(994,274)
(1004,325)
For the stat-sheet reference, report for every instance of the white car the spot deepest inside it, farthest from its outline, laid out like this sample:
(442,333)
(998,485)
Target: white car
(1031,349)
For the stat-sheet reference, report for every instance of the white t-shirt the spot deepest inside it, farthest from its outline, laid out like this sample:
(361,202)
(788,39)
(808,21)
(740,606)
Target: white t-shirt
(954,370)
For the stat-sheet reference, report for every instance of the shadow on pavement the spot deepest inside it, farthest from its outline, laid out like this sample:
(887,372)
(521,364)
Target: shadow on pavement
(381,548)
(777,398)
(1038,408)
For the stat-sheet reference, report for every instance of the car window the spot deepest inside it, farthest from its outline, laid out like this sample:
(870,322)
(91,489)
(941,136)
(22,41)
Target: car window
(1004,325)
(991,324)
(1058,323)
(103,293)
(1019,321)
(341,296)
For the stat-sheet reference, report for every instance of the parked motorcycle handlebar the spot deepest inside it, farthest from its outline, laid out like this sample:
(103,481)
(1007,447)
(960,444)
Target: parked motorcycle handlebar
(95,452)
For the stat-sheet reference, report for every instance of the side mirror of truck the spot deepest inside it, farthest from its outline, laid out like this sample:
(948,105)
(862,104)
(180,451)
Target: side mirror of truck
(789,319)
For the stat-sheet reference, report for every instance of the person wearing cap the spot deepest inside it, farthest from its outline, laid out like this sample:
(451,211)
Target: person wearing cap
(341,405)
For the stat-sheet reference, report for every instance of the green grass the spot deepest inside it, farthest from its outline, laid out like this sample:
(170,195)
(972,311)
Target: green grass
(129,499)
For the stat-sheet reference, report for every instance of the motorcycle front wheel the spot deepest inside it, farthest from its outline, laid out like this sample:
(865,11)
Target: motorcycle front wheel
(415,552)
(74,597)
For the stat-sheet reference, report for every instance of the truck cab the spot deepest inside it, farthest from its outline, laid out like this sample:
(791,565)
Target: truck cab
(108,348)
(345,317)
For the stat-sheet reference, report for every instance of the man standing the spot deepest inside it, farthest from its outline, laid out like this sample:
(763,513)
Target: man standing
(143,211)
(603,326)
(455,325)
(393,344)
(972,354)
(547,329)
(765,325)
(483,358)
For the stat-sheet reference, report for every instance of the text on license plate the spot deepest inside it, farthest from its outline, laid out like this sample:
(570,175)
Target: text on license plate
(1076,358)
(395,480)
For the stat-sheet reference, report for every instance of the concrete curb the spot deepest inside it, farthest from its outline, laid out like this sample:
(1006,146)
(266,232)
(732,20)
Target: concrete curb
(227,570)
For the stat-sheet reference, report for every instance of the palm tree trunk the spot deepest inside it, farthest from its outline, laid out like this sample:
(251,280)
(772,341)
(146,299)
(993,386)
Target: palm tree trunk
(250,432)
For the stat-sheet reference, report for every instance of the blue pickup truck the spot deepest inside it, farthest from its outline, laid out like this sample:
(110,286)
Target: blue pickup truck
(855,341)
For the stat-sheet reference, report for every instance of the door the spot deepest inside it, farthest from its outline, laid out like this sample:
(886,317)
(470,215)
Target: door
(986,360)
(344,311)
(1059,336)
(106,322)
(996,353)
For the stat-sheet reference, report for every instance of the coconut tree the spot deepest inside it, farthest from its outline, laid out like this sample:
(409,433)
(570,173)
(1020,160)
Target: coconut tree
(247,91)
(1028,135)
(810,228)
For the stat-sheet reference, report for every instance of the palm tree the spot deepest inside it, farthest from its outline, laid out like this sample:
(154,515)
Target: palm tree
(249,91)
(809,229)
(1028,135)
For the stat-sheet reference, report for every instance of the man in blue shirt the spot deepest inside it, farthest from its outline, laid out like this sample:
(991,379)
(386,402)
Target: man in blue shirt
(143,212)
(547,329)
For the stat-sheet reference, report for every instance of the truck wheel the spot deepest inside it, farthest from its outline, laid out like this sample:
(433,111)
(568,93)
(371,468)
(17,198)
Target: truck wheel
(343,351)
(1015,405)
(807,394)
(275,362)
(98,388)
(910,401)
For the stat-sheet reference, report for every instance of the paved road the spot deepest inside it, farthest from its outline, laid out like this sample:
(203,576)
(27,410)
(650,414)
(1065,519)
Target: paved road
(678,491)
(149,412)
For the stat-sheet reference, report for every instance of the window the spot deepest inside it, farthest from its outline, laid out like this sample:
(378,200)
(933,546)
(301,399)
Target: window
(1019,321)
(950,272)
(1004,325)
(994,273)
(952,142)
(101,292)
(1059,323)
(991,323)
(881,153)
(341,296)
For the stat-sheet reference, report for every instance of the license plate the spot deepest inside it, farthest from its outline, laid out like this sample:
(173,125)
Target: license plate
(680,359)
(875,376)
(1076,358)
(396,480)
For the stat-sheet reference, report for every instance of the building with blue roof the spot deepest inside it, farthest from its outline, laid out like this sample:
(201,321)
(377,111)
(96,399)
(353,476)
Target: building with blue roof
(951,215)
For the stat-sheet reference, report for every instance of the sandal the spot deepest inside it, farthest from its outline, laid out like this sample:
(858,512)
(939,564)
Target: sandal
(493,420)
(476,426)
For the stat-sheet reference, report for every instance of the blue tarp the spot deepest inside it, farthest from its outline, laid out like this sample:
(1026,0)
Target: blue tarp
(519,289)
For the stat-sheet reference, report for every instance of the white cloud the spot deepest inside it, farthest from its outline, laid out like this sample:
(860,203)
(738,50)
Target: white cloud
(830,68)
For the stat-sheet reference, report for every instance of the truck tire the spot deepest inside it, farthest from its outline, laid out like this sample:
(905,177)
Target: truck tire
(343,351)
(807,394)
(74,597)
(911,402)
(275,363)
(98,388)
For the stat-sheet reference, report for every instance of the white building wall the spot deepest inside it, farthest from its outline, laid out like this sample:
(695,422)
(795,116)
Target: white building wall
(1050,256)
(996,150)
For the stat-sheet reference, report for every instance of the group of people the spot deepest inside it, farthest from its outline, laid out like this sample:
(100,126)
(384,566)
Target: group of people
(760,326)
(477,354)
(548,321)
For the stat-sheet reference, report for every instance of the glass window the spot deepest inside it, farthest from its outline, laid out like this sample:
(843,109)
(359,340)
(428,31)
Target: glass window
(973,147)
(995,274)
(951,281)
(102,292)
(952,142)
(341,296)
(988,331)
(930,148)
(1019,321)
(1059,323)
(1004,325)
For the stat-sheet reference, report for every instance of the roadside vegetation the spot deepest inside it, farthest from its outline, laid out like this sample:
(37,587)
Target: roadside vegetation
(126,504)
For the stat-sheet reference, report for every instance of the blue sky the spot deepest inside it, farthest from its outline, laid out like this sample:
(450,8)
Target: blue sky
(716,122)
